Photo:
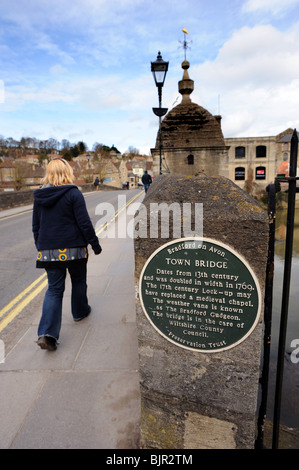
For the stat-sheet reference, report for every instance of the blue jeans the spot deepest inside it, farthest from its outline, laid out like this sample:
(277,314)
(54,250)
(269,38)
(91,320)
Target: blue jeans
(50,322)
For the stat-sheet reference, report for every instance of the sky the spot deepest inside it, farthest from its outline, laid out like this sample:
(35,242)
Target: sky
(80,69)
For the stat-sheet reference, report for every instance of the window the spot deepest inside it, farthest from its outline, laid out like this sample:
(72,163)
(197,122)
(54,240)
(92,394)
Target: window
(240,152)
(260,173)
(261,151)
(8,174)
(239,173)
(190,159)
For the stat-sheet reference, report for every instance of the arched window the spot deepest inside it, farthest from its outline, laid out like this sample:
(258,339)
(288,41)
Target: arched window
(190,159)
(260,173)
(240,152)
(240,173)
(261,151)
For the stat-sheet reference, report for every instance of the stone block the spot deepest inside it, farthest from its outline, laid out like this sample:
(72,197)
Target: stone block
(194,399)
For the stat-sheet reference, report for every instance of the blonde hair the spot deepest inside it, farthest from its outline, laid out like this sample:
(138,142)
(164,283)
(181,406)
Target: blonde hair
(58,173)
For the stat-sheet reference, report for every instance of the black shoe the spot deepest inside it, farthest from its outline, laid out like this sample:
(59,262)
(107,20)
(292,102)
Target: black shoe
(47,342)
(81,318)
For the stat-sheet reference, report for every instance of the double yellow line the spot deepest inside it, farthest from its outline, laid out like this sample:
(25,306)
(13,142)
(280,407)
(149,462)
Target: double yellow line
(41,283)
(13,308)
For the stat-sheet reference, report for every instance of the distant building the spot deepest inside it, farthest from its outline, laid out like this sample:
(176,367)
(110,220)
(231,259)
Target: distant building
(17,174)
(258,160)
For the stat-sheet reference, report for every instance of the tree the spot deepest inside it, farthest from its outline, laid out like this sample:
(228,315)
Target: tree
(95,145)
(101,168)
(24,143)
(132,151)
(48,146)
(75,151)
(82,147)
(52,145)
(66,154)
(12,142)
(101,149)
(114,149)
(19,176)
(42,157)
(65,144)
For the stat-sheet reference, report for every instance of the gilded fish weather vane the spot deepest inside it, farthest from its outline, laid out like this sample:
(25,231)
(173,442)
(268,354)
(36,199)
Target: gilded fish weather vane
(185,42)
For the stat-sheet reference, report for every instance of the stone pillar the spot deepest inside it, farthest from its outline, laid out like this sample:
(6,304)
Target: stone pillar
(199,316)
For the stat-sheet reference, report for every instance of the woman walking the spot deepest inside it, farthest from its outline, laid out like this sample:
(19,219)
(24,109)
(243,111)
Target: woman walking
(62,230)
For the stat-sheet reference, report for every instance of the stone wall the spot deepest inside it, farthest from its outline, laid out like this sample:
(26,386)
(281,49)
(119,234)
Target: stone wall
(211,161)
(10,199)
(191,399)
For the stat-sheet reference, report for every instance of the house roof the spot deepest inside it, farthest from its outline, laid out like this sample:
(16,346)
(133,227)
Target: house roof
(149,165)
(287,137)
(7,164)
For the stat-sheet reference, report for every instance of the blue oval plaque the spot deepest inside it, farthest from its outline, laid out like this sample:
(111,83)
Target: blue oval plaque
(200,294)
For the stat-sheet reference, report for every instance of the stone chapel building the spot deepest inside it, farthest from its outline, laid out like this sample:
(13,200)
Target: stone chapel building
(192,139)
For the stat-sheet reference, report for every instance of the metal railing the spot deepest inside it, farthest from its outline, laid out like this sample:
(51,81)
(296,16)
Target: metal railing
(272,189)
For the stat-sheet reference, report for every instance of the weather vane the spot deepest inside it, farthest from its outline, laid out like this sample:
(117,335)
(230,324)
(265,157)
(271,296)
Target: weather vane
(185,42)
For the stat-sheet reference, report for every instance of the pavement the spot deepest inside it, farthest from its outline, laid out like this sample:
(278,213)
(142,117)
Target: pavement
(84,395)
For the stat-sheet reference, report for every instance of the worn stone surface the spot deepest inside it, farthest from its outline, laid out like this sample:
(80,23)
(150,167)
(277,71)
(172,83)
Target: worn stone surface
(209,433)
(191,137)
(190,125)
(176,382)
(189,129)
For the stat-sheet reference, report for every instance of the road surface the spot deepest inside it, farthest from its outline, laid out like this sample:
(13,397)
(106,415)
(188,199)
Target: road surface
(22,286)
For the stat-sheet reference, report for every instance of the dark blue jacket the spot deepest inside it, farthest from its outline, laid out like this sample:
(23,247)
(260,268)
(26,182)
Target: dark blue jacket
(60,219)
(146,178)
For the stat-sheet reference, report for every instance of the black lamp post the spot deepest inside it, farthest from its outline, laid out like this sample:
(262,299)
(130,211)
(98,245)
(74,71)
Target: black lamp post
(159,69)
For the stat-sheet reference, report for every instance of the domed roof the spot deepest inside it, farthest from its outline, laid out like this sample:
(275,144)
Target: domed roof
(189,125)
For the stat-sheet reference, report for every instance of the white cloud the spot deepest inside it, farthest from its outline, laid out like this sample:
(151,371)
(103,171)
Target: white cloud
(256,75)
(254,56)
(86,64)
(19,96)
(44,43)
(2,91)
(263,112)
(273,6)
(57,69)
